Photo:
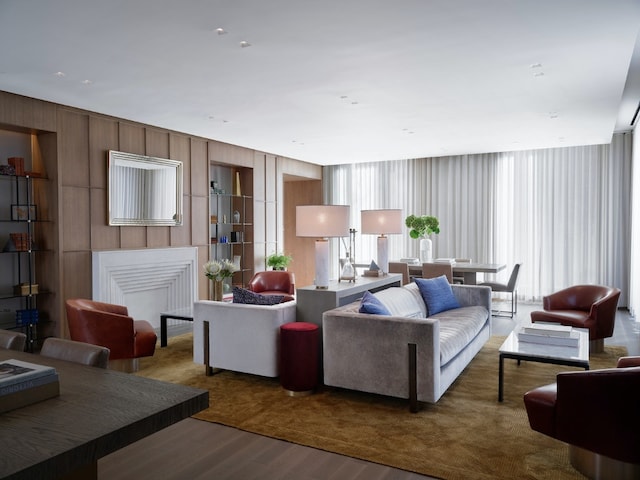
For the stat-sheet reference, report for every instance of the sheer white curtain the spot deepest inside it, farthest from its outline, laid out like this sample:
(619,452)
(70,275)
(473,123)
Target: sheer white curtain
(563,213)
(634,267)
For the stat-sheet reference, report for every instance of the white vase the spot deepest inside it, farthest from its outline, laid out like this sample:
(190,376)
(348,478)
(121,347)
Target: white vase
(426,252)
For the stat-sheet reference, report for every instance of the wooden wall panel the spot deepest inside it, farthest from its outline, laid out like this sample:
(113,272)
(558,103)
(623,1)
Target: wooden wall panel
(301,249)
(131,138)
(203,282)
(75,223)
(77,280)
(156,143)
(73,144)
(181,236)
(230,154)
(158,237)
(180,149)
(199,228)
(24,113)
(103,236)
(103,136)
(133,237)
(199,169)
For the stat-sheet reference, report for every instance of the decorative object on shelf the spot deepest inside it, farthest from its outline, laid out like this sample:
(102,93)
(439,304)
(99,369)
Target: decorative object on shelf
(348,271)
(23,212)
(379,222)
(236,216)
(421,227)
(238,191)
(374,270)
(19,242)
(213,219)
(217,271)
(279,261)
(236,261)
(7,170)
(25,289)
(27,316)
(322,222)
(18,164)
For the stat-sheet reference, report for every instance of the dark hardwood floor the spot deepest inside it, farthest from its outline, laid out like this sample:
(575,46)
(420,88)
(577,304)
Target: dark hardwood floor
(194,449)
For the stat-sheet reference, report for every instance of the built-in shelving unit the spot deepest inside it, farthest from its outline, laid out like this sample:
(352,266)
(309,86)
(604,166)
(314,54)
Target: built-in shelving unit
(19,289)
(231,223)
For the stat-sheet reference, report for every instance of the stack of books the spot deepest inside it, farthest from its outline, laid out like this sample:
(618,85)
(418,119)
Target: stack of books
(549,335)
(450,261)
(24,383)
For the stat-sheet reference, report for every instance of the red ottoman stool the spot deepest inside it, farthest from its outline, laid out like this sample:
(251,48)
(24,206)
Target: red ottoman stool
(299,343)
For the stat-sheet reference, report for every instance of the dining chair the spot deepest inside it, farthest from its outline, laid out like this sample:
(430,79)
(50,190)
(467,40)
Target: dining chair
(12,340)
(433,270)
(78,352)
(509,287)
(460,260)
(400,267)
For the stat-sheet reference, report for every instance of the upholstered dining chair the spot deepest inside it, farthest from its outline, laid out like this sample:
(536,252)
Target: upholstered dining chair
(433,270)
(596,413)
(510,287)
(583,306)
(400,267)
(12,340)
(273,282)
(460,260)
(78,352)
(110,326)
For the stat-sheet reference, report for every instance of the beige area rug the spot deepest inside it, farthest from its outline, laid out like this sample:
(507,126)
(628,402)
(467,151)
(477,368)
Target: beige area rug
(468,434)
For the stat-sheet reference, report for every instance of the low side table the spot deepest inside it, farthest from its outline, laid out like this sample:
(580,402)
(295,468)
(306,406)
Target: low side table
(299,357)
(535,352)
(185,314)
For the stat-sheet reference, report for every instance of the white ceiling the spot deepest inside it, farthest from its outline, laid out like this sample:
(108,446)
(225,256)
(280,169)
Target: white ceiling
(336,81)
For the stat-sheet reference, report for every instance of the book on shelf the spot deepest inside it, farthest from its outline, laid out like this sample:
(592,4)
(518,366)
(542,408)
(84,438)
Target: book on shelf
(572,340)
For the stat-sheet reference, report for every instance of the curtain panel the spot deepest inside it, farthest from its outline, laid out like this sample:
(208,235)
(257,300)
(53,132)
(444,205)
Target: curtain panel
(563,213)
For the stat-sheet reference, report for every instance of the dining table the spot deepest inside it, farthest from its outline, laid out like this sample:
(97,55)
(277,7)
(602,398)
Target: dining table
(97,412)
(467,270)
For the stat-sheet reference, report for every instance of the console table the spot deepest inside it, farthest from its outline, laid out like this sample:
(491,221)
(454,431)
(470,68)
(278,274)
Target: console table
(312,302)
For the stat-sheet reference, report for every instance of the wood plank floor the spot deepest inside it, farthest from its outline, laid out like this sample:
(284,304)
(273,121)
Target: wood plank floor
(194,449)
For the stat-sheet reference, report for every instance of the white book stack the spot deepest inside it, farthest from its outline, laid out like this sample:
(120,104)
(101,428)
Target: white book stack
(549,335)
(24,383)
(450,261)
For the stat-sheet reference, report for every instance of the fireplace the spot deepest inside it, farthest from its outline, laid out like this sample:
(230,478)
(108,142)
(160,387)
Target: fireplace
(148,281)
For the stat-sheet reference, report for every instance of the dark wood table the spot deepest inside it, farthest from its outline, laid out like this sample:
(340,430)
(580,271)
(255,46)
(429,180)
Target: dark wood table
(98,412)
(468,271)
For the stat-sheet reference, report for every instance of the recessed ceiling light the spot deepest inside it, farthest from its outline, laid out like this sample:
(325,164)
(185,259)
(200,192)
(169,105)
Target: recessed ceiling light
(87,82)
(553,114)
(221,31)
(59,74)
(538,74)
(536,65)
(244,44)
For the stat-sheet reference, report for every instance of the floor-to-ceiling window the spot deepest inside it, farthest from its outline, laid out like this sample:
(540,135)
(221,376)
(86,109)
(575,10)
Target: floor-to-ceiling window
(564,213)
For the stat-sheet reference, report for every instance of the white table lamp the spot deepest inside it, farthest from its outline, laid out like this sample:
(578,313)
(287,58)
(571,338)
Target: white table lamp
(322,222)
(382,222)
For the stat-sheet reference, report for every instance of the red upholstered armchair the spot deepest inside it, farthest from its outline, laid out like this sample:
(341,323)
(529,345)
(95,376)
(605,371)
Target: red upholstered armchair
(583,306)
(596,413)
(273,282)
(111,326)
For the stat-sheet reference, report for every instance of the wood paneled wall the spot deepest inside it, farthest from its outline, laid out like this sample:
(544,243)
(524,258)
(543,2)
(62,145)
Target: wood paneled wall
(74,145)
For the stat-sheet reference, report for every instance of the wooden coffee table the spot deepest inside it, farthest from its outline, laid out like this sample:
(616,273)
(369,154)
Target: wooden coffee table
(535,352)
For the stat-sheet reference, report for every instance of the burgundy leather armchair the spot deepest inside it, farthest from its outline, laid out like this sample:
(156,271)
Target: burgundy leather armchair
(273,282)
(111,326)
(596,413)
(583,306)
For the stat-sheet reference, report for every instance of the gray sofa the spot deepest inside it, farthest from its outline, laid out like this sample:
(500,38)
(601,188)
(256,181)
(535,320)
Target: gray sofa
(370,353)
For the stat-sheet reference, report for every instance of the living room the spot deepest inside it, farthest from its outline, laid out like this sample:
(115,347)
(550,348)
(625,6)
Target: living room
(565,209)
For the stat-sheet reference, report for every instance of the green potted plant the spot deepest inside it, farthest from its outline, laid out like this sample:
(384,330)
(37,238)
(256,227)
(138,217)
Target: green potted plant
(421,227)
(279,261)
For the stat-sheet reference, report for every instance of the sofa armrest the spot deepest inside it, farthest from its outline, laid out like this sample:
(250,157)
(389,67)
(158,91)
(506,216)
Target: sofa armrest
(473,295)
(370,353)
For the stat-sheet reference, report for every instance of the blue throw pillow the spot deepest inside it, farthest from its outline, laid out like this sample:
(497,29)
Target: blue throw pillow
(437,294)
(371,304)
(241,295)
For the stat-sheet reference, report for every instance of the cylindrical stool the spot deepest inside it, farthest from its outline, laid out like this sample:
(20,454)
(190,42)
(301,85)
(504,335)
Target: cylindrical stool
(299,343)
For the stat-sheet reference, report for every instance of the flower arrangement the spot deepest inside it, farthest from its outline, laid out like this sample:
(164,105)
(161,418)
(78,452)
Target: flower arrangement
(219,269)
(422,226)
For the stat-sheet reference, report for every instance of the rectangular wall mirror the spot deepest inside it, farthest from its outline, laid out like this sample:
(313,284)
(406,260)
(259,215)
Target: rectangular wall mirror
(144,190)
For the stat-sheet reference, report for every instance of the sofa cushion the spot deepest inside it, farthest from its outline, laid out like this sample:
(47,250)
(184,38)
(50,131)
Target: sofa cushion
(403,301)
(371,304)
(457,328)
(242,295)
(437,294)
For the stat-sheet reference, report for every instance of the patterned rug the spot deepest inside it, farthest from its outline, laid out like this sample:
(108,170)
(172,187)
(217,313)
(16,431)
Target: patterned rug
(468,434)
